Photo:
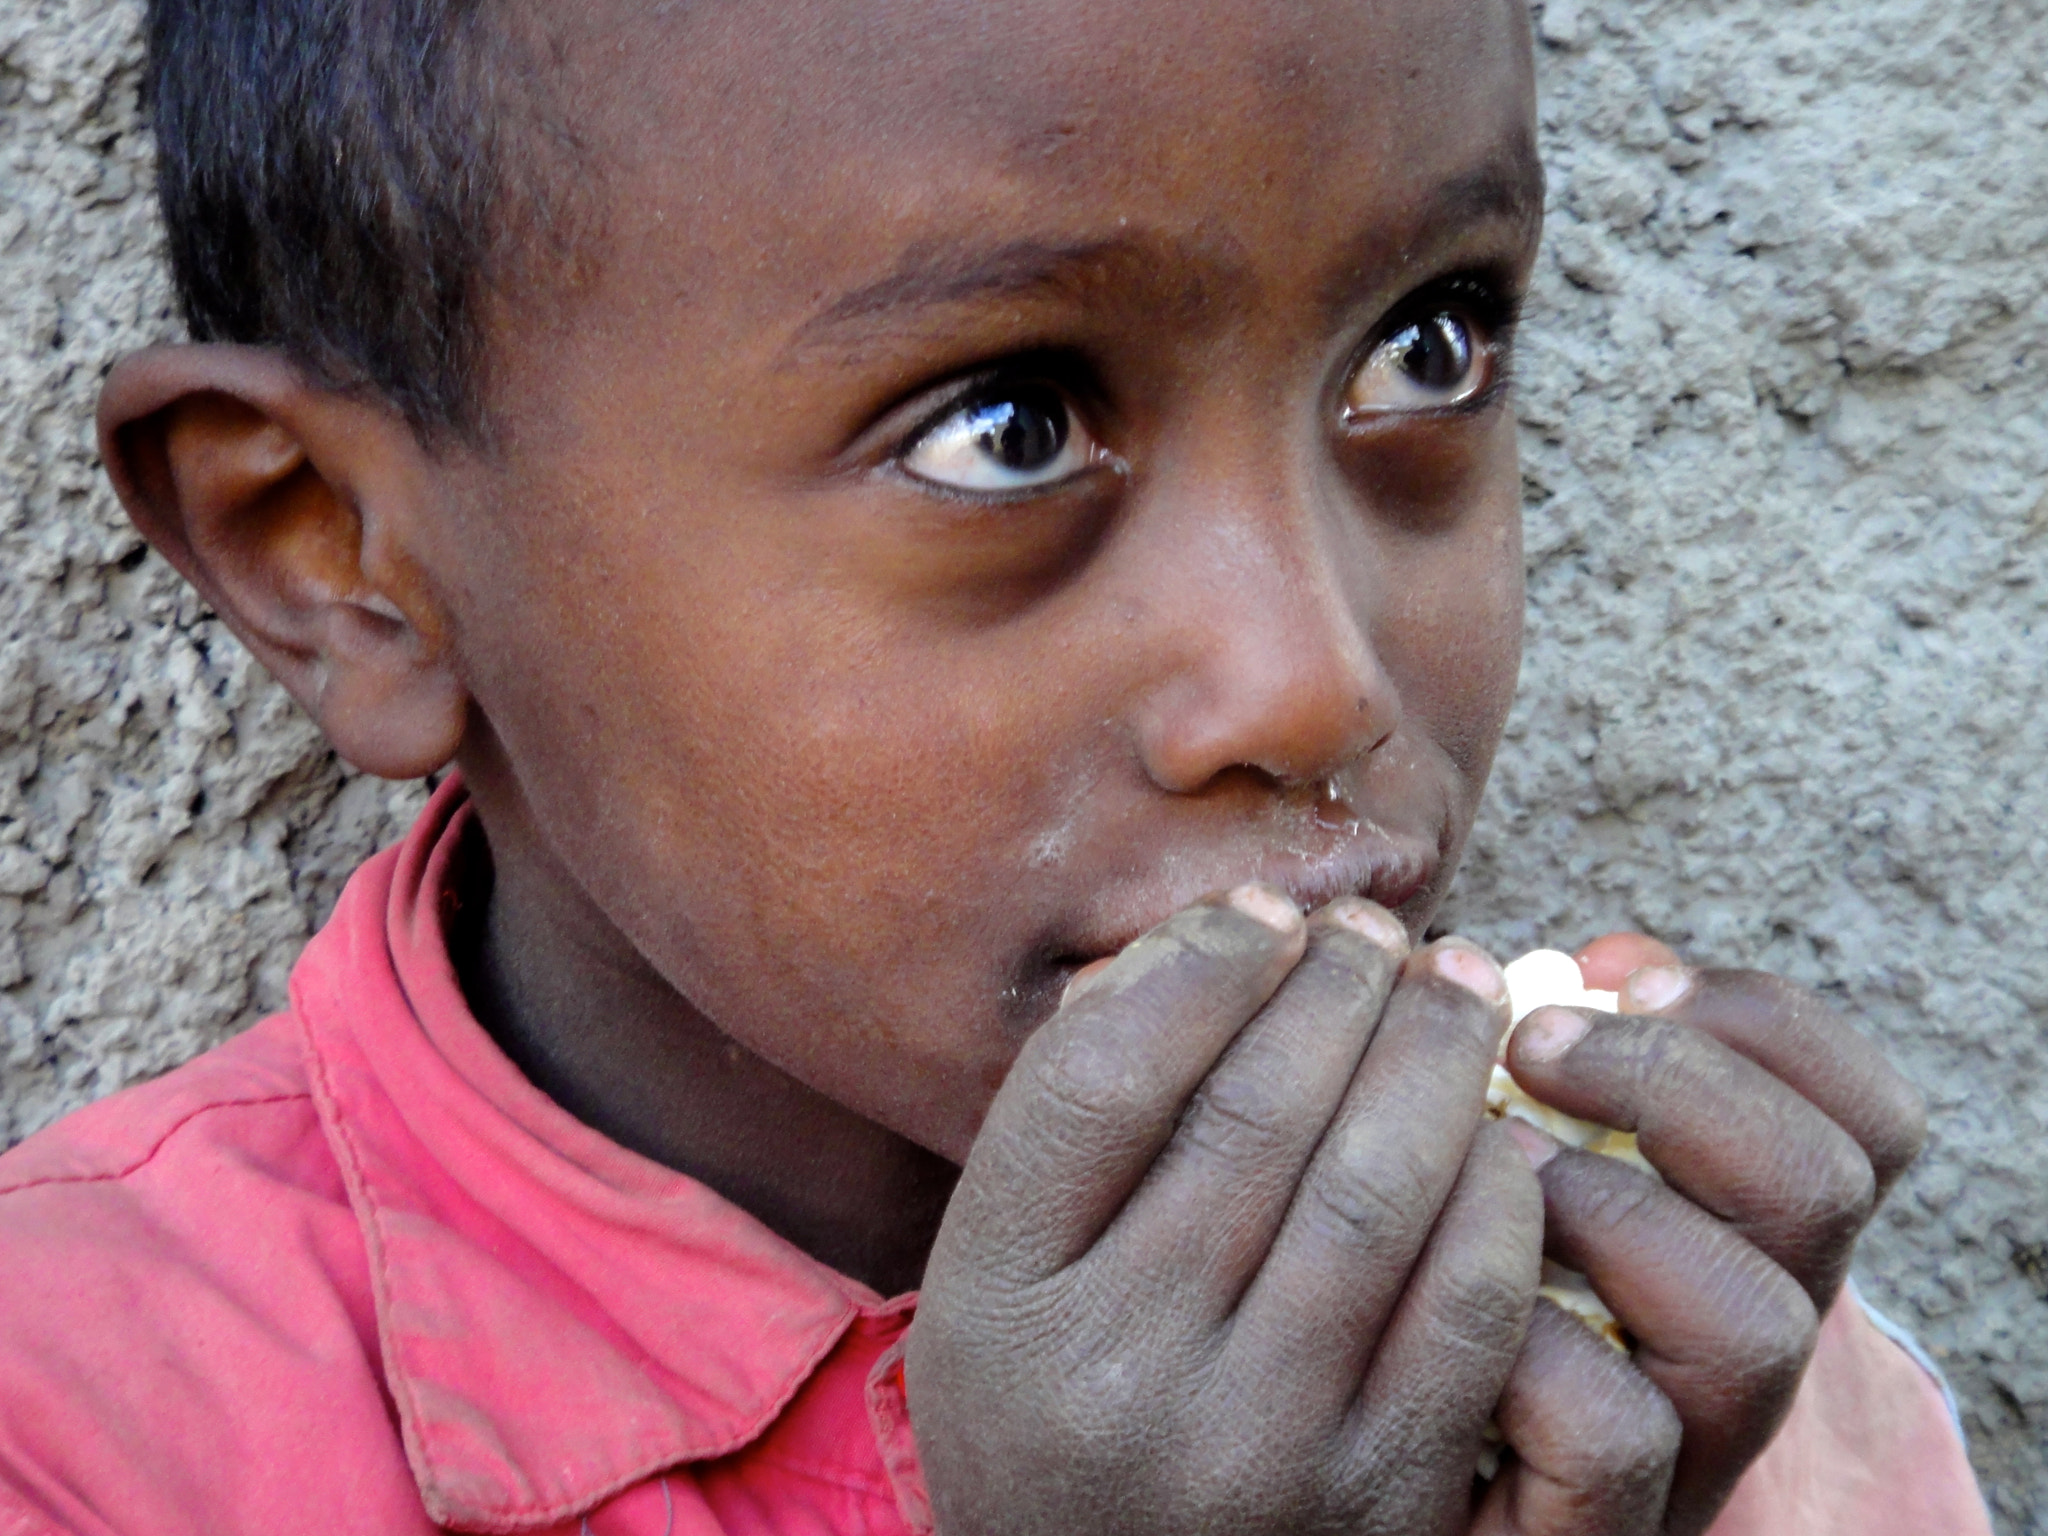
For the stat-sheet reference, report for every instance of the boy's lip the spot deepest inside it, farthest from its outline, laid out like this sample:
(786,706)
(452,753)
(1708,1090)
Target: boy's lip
(1389,868)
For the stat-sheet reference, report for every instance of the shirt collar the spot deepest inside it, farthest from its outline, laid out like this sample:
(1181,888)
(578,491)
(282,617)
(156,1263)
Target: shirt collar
(559,1317)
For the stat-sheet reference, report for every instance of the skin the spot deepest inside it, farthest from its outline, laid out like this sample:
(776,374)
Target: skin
(807,786)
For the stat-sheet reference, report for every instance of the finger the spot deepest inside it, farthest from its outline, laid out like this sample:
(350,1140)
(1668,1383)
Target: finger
(1078,982)
(1595,1442)
(1721,1331)
(1606,962)
(1719,1127)
(1212,1200)
(1095,1093)
(1385,1166)
(1797,1038)
(1453,1339)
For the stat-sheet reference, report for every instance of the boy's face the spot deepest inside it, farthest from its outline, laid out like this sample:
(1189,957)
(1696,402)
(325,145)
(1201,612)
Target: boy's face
(1011,470)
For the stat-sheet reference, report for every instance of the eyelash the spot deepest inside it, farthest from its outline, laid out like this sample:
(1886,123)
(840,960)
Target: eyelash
(1496,307)
(1494,304)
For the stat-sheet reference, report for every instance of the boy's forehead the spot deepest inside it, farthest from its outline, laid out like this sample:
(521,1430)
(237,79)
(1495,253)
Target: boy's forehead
(864,150)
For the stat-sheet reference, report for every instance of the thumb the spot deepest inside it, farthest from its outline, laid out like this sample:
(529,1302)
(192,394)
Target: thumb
(1606,962)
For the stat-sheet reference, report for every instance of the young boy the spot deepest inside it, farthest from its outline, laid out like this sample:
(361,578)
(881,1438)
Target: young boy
(888,506)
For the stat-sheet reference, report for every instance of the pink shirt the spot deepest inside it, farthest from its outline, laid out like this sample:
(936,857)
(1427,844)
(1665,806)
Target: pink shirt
(352,1273)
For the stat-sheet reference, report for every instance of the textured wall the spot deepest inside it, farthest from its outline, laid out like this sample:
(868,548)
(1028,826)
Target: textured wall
(1786,396)
(170,826)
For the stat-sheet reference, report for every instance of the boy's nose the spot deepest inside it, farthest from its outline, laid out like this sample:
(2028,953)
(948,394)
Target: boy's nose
(1274,671)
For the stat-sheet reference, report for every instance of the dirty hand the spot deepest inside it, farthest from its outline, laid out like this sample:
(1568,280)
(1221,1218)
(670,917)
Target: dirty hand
(1234,1249)
(1777,1128)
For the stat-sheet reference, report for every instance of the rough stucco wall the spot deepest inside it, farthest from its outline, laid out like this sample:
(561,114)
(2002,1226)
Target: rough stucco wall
(170,826)
(1786,454)
(1786,400)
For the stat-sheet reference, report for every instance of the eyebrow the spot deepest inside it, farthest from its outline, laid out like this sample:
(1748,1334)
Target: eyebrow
(1505,189)
(931,277)
(1509,188)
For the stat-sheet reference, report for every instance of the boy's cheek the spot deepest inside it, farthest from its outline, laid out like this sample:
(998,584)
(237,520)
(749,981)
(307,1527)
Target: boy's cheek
(1454,648)
(855,831)
(1442,508)
(1432,472)
(868,925)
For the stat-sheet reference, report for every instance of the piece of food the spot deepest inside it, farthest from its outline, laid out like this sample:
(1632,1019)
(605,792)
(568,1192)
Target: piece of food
(1540,979)
(1544,978)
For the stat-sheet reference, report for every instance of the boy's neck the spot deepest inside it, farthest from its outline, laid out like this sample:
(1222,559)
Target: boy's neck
(597,1029)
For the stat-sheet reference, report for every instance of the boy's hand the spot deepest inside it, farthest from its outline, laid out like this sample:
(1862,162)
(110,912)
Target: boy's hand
(1208,1274)
(1778,1129)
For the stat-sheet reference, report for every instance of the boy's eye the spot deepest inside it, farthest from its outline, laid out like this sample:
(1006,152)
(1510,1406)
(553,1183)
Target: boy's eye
(1428,364)
(1004,438)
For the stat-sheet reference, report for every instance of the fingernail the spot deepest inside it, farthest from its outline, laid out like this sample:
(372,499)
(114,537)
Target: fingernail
(1263,904)
(1471,968)
(1656,987)
(1549,1032)
(1371,922)
(1536,1146)
(1080,980)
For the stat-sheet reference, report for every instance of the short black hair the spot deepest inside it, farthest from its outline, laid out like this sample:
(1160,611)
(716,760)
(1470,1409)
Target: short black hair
(334,179)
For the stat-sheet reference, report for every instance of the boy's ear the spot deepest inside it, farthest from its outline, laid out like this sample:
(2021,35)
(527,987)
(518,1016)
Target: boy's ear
(296,511)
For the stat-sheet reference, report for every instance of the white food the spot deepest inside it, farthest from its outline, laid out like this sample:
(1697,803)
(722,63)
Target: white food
(1540,979)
